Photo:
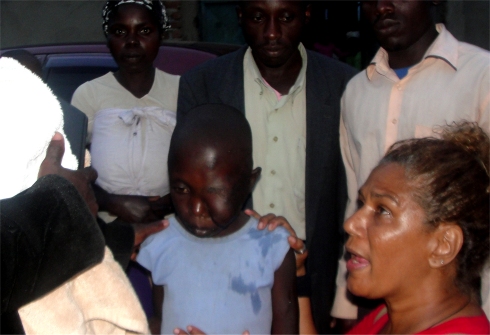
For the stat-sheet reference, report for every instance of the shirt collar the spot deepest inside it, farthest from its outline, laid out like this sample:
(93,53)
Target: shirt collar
(300,81)
(444,47)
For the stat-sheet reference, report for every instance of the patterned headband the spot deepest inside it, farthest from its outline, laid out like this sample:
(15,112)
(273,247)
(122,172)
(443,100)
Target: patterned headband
(111,5)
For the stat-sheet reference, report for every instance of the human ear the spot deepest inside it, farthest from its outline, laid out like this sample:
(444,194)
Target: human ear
(448,240)
(307,13)
(239,14)
(254,177)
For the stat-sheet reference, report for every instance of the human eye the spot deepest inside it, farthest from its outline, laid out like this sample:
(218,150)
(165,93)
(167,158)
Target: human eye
(145,30)
(257,17)
(286,17)
(117,31)
(383,211)
(180,189)
(219,191)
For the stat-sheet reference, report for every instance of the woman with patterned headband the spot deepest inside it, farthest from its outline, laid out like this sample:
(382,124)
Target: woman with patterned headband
(131,115)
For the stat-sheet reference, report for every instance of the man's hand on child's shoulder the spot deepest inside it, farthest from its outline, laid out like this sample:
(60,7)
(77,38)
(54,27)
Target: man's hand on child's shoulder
(271,222)
(143,230)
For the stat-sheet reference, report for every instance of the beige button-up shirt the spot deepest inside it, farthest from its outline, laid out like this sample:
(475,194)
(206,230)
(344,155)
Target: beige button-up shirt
(279,143)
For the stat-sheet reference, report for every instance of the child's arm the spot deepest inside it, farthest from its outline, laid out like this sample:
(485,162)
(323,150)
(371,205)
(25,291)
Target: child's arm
(284,299)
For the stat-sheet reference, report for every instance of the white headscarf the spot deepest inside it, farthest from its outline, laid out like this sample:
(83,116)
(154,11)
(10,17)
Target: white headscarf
(29,116)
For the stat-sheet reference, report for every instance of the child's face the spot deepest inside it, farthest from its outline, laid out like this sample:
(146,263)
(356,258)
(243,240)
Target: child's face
(208,189)
(133,37)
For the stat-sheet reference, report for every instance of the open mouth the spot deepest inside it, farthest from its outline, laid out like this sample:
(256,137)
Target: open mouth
(356,262)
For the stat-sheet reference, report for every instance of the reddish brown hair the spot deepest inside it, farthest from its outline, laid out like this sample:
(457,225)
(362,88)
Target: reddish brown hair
(451,181)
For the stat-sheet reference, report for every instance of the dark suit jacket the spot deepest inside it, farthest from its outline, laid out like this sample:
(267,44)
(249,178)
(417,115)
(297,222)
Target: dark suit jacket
(47,237)
(221,81)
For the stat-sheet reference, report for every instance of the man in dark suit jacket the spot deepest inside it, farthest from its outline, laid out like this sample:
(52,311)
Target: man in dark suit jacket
(273,30)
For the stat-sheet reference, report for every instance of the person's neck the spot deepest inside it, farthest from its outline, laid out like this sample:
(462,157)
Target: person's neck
(422,309)
(413,54)
(138,83)
(283,77)
(236,225)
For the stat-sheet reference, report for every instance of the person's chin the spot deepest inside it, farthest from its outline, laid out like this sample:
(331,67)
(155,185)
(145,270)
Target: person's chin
(358,287)
(202,233)
(274,62)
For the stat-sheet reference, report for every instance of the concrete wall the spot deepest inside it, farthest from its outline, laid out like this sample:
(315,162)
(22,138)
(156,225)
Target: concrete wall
(38,22)
(49,21)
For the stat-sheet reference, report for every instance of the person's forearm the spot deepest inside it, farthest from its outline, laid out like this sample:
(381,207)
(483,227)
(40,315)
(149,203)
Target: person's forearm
(103,198)
(306,324)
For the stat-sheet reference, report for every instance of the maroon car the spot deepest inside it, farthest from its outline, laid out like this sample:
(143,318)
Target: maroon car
(65,67)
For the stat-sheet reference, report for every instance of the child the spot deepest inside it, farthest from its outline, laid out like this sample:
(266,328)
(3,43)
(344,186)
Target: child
(219,272)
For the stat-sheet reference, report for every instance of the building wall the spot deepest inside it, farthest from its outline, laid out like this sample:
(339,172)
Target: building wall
(38,22)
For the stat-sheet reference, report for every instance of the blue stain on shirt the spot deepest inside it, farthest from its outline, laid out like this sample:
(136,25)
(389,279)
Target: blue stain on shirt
(267,240)
(255,234)
(239,286)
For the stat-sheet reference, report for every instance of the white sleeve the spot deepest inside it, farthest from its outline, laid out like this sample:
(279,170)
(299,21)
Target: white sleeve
(83,99)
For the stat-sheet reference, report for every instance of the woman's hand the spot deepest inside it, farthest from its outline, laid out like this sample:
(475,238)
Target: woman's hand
(143,230)
(271,222)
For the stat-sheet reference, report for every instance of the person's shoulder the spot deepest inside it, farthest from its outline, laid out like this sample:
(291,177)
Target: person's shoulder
(278,233)
(473,55)
(94,84)
(167,77)
(211,66)
(168,234)
(104,79)
(360,78)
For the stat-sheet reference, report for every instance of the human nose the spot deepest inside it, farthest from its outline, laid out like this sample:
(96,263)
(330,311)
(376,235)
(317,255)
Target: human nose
(384,7)
(197,206)
(355,224)
(131,38)
(272,30)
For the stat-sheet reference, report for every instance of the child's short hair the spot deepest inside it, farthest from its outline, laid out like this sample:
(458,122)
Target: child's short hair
(217,124)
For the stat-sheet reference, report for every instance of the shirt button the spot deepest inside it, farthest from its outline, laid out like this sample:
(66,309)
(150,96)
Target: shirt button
(394,121)
(271,205)
(273,172)
(275,138)
(134,134)
(399,87)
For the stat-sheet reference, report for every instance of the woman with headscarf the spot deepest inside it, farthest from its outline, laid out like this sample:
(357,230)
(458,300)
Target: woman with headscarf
(131,115)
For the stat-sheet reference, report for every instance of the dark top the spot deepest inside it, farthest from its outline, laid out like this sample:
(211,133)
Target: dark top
(48,236)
